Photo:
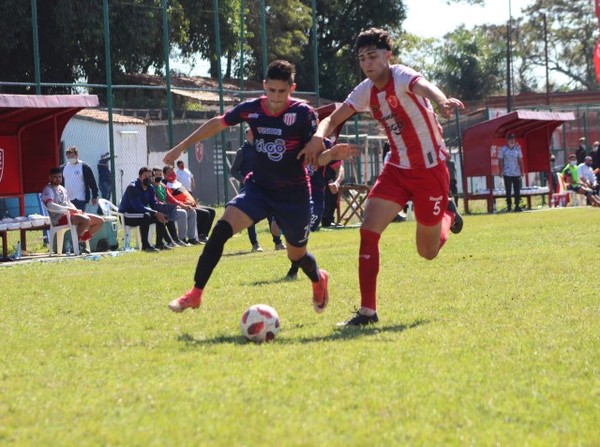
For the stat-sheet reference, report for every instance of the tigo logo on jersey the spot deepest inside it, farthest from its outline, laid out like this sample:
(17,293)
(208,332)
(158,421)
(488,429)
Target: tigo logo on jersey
(289,118)
(1,163)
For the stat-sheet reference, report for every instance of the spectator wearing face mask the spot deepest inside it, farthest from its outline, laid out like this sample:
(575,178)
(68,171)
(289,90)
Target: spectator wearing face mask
(575,183)
(78,179)
(139,207)
(205,215)
(587,176)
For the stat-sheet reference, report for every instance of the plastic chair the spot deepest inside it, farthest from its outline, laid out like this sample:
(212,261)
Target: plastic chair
(59,231)
(110,209)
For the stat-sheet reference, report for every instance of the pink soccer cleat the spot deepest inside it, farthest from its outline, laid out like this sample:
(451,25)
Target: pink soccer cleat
(320,293)
(191,299)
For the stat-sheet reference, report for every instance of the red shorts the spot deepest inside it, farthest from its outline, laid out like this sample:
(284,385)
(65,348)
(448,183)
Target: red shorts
(427,188)
(62,220)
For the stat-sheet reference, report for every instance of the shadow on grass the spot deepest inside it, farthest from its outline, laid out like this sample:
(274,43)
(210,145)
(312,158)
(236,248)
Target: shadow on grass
(343,333)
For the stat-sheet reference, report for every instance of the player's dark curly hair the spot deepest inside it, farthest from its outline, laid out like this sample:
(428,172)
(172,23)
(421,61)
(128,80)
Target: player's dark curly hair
(374,37)
(281,70)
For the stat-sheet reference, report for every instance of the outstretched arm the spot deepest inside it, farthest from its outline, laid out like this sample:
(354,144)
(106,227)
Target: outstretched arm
(326,127)
(210,128)
(445,105)
(342,151)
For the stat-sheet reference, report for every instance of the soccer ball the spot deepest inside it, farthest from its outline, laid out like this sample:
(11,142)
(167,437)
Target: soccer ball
(260,323)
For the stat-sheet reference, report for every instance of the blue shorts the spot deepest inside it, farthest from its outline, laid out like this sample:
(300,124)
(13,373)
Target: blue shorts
(292,212)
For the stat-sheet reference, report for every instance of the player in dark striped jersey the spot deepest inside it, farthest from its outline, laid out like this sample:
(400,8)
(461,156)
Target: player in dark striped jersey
(278,186)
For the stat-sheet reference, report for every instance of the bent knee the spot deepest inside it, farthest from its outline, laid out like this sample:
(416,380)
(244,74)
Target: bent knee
(428,253)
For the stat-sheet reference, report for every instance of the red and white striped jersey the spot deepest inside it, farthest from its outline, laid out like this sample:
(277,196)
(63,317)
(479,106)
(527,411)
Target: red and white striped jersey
(411,125)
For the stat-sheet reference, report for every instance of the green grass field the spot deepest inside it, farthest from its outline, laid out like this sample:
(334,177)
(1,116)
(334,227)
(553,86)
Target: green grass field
(496,342)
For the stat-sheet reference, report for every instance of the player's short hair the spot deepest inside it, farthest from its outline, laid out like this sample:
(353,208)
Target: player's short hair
(156,168)
(374,37)
(179,162)
(144,169)
(167,168)
(54,171)
(281,70)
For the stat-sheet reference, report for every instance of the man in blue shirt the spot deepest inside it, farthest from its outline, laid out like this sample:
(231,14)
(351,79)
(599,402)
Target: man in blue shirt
(139,208)
(510,160)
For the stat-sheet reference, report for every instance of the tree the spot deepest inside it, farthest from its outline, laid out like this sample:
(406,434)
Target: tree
(572,33)
(469,63)
(338,24)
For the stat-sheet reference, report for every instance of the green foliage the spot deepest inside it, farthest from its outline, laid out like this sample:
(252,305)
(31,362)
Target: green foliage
(572,34)
(469,64)
(496,342)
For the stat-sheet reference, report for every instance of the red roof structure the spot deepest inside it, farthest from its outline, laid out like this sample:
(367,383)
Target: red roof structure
(30,130)
(482,142)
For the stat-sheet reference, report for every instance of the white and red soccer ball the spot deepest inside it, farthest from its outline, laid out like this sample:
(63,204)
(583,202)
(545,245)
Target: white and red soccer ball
(260,323)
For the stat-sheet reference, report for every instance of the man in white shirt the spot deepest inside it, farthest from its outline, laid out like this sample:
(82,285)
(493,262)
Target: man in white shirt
(185,176)
(56,199)
(79,180)
(587,176)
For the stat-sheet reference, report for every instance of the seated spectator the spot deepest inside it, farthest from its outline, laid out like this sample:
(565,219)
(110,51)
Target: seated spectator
(56,199)
(204,215)
(587,176)
(574,183)
(169,210)
(139,208)
(185,215)
(595,154)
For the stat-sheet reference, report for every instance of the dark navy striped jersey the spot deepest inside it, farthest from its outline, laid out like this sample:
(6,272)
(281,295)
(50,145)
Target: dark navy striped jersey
(277,141)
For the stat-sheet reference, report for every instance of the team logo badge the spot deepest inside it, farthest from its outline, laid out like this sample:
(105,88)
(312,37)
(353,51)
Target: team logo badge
(392,101)
(289,118)
(1,163)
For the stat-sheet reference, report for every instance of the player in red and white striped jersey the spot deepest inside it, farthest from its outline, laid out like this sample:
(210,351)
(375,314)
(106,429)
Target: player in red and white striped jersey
(400,99)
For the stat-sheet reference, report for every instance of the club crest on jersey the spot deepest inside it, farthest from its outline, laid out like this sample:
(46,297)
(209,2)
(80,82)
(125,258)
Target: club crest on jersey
(289,118)
(392,101)
(1,163)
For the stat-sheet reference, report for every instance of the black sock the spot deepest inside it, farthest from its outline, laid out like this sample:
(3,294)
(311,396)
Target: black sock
(212,252)
(308,264)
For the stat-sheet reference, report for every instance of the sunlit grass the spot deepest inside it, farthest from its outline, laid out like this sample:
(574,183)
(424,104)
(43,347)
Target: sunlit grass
(494,342)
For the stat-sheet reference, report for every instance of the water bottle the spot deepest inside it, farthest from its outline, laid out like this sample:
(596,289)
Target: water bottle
(18,250)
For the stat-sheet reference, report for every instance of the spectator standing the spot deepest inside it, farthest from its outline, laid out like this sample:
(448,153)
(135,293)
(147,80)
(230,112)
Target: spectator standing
(581,151)
(185,176)
(595,154)
(453,182)
(104,176)
(510,161)
(79,180)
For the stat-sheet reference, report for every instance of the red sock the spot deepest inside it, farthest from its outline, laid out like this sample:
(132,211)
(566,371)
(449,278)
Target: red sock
(446,224)
(368,268)
(85,236)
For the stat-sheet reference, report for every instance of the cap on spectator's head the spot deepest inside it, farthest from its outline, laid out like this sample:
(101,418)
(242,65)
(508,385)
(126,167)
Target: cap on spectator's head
(572,156)
(596,143)
(582,139)
(511,136)
(588,158)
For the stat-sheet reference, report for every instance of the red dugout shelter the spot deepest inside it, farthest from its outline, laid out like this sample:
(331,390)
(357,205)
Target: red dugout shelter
(482,143)
(30,131)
